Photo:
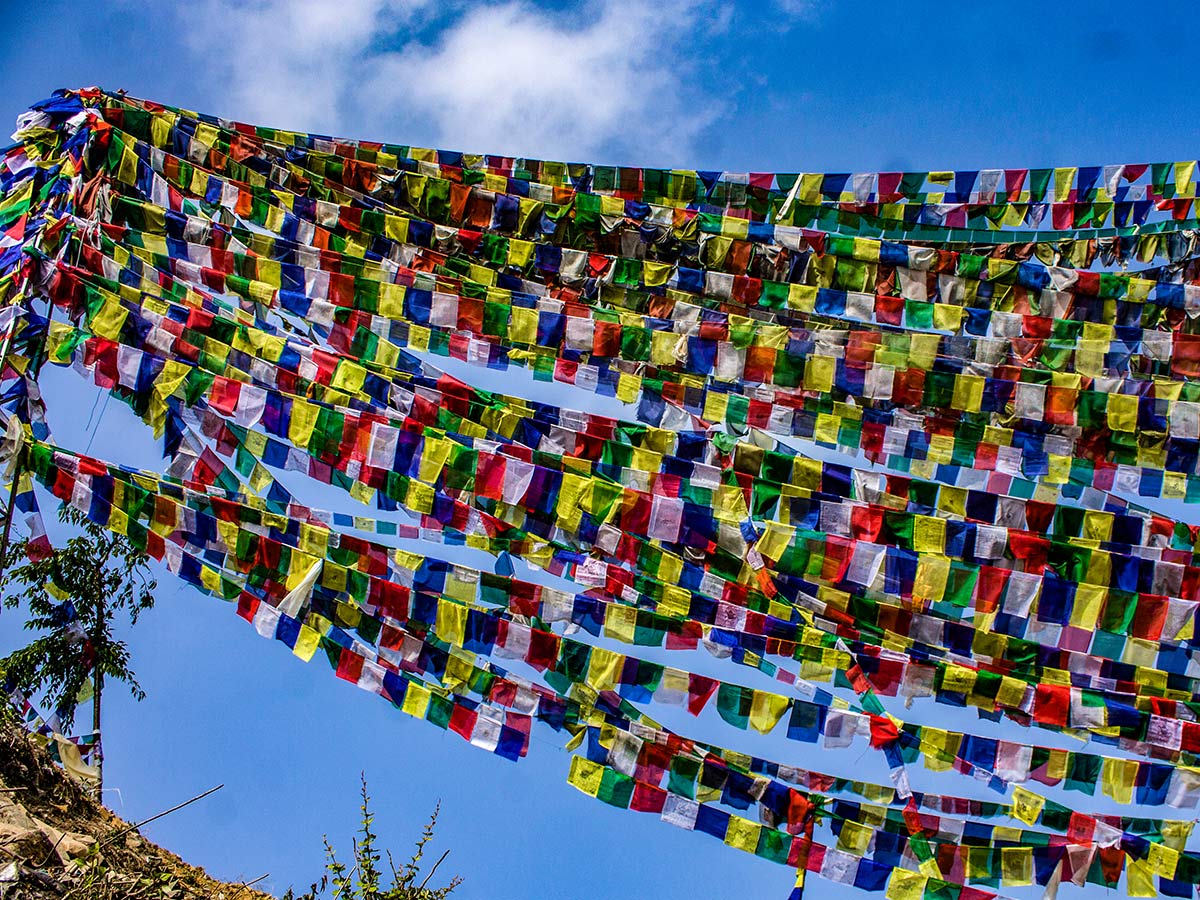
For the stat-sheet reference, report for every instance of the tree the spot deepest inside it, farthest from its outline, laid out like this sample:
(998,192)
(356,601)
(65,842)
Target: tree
(73,595)
(364,881)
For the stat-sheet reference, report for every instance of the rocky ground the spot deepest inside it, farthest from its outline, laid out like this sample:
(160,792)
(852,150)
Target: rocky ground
(57,842)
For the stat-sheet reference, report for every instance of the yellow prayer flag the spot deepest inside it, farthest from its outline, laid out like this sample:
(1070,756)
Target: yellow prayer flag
(434,454)
(334,576)
(451,625)
(118,523)
(959,679)
(906,885)
(461,586)
(656,274)
(1064,180)
(306,643)
(419,497)
(1027,806)
(775,540)
(810,187)
(1059,469)
(819,372)
(664,347)
(939,747)
(929,534)
(825,431)
(459,668)
(108,319)
(522,328)
(670,568)
(1184,172)
(1174,485)
(1176,833)
(1164,860)
(127,168)
(1117,778)
(314,540)
(349,377)
(519,252)
(416,700)
(802,297)
(742,834)
(1139,878)
(1122,412)
(855,838)
(585,775)
(160,128)
(932,573)
(391,301)
(604,668)
(304,419)
(806,473)
(766,710)
(1089,600)
(1097,525)
(676,601)
(628,388)
(715,405)
(947,317)
(620,623)
(953,500)
(923,349)
(396,228)
(1016,866)
(363,493)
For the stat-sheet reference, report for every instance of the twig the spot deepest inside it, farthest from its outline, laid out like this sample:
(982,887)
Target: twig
(42,864)
(165,812)
(246,884)
(434,869)
(352,871)
(108,841)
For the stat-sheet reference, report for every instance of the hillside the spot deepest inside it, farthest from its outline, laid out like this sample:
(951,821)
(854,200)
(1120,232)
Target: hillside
(56,842)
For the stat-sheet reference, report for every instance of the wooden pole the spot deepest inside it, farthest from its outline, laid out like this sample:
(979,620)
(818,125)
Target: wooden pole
(19,468)
(98,638)
(12,494)
(8,516)
(97,690)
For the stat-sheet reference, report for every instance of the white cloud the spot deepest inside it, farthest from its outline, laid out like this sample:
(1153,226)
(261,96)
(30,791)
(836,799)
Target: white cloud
(288,63)
(510,79)
(611,82)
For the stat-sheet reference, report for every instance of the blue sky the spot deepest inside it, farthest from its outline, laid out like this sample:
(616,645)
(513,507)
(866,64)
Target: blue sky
(774,85)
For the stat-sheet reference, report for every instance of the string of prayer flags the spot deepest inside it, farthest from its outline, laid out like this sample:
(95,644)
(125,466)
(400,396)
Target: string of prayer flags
(1000,365)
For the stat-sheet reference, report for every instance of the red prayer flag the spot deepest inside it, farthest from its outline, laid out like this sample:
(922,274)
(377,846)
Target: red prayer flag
(883,731)
(1052,704)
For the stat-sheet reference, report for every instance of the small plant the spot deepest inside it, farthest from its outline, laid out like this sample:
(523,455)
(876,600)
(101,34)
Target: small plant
(363,881)
(91,878)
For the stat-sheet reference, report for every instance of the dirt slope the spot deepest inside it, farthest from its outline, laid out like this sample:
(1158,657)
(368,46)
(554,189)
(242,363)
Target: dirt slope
(56,842)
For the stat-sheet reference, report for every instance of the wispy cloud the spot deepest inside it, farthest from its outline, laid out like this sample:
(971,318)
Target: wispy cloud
(289,63)
(801,10)
(612,81)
